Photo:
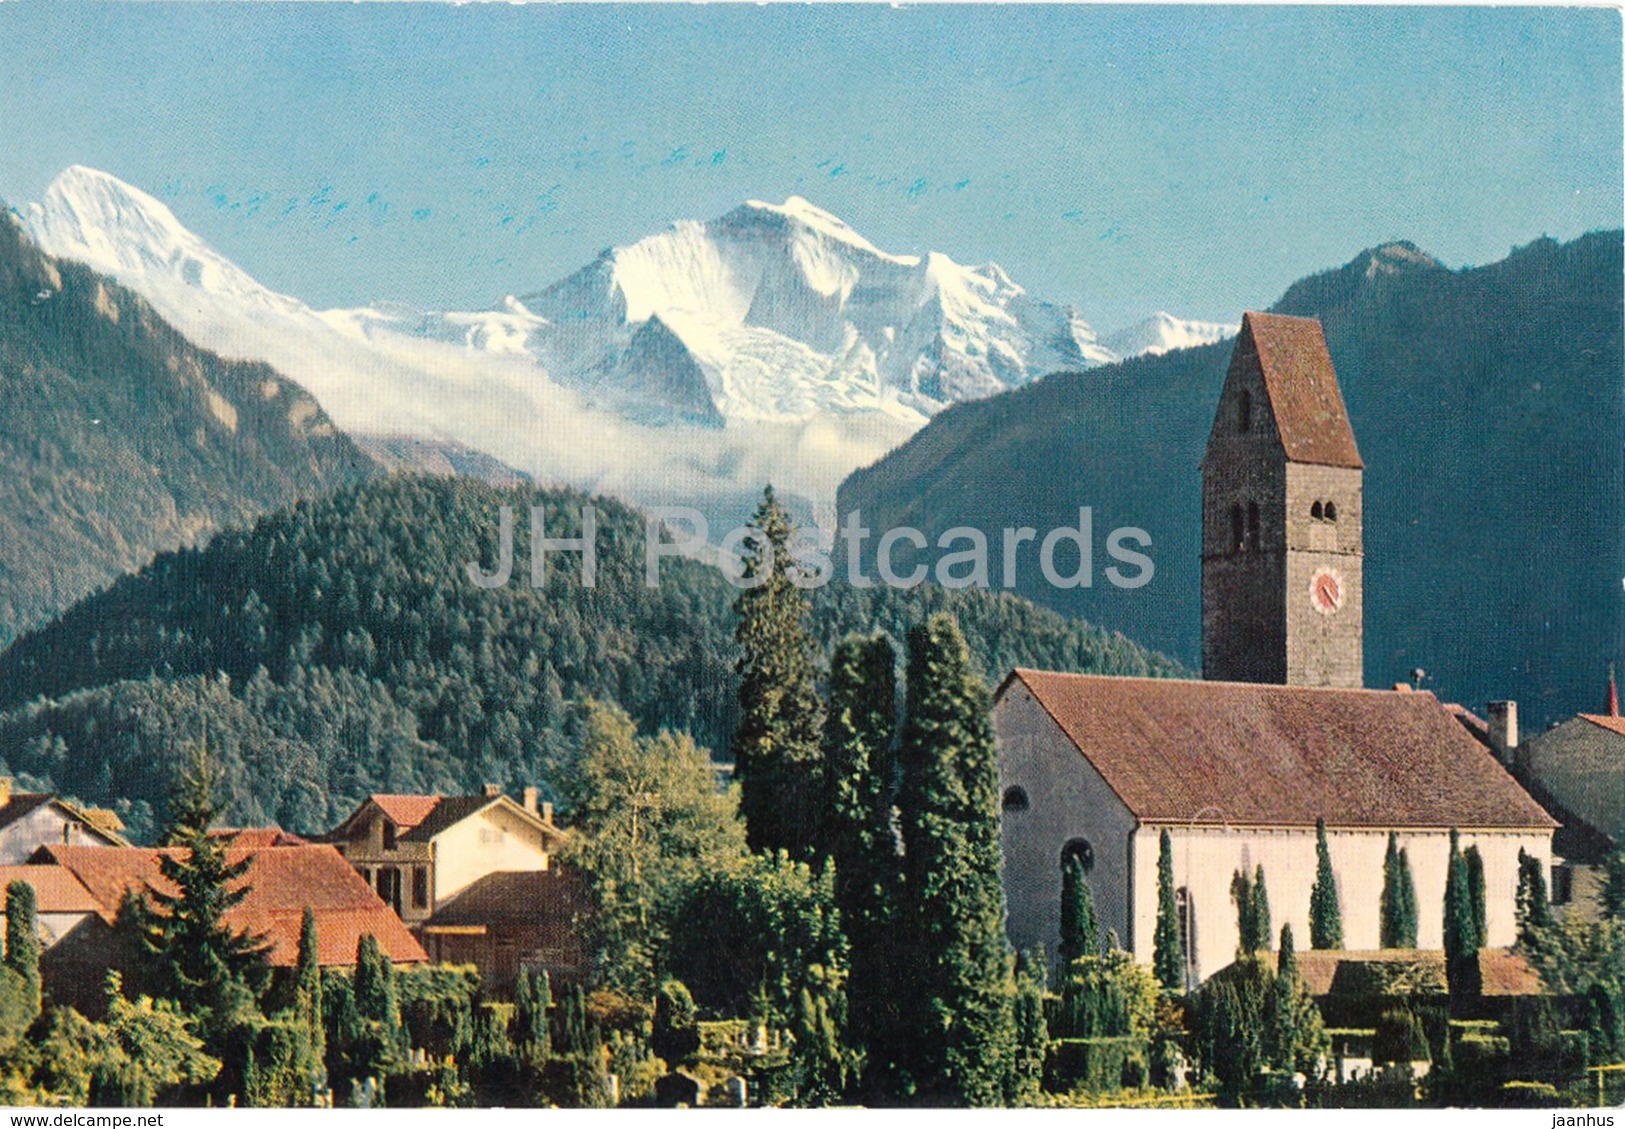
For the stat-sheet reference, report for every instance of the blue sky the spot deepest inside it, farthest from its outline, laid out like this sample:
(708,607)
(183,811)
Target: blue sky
(1196,159)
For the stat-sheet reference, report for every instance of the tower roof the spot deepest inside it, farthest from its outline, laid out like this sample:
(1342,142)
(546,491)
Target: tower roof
(1292,359)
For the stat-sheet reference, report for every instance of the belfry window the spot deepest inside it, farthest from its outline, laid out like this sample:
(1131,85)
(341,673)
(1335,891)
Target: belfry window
(1317,511)
(1254,536)
(1244,411)
(1331,511)
(1236,531)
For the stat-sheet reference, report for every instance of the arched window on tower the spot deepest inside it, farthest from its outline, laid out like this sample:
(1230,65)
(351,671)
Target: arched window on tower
(1317,512)
(1237,533)
(1254,535)
(1244,411)
(1081,850)
(1331,511)
(1015,799)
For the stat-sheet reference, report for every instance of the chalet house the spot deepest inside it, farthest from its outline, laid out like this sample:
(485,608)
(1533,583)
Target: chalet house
(418,852)
(1238,768)
(30,820)
(283,882)
(512,921)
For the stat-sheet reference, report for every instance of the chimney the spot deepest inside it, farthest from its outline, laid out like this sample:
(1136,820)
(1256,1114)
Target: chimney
(492,791)
(5,791)
(547,812)
(530,800)
(1503,730)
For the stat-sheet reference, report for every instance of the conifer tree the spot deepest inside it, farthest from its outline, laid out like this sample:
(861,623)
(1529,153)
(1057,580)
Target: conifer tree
(776,746)
(1461,940)
(22,945)
(1325,909)
(675,1033)
(1031,1029)
(963,1044)
(1475,889)
(211,970)
(1392,910)
(1167,951)
(1281,1013)
(1534,910)
(862,777)
(1261,911)
(1080,931)
(377,1008)
(307,997)
(1411,914)
(1252,911)
(532,1029)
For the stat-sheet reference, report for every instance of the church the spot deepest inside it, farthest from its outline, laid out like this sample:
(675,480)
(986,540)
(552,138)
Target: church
(1237,768)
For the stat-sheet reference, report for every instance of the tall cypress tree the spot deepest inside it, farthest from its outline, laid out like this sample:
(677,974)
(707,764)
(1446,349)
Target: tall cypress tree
(1261,911)
(1461,939)
(776,745)
(1390,908)
(1325,910)
(1534,907)
(1252,911)
(1167,951)
(1411,914)
(861,758)
(1475,891)
(307,995)
(1080,930)
(964,1043)
(22,942)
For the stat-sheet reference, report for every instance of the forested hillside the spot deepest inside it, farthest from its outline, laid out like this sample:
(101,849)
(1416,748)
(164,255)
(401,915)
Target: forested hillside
(119,438)
(337,648)
(1489,408)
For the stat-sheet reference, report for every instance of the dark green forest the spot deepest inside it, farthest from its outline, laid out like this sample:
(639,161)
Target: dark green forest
(338,648)
(119,438)
(1489,408)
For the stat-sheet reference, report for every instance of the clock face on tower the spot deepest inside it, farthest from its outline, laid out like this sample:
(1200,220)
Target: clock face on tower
(1326,591)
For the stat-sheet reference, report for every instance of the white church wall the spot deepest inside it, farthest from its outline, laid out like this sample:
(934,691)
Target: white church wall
(1206,858)
(1066,800)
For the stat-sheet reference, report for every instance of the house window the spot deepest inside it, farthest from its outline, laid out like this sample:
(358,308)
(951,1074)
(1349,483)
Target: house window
(1015,799)
(1244,411)
(420,887)
(1253,535)
(1081,850)
(389,835)
(1236,531)
(1562,884)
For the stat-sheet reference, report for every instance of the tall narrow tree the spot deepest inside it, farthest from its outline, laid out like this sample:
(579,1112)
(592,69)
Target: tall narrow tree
(1391,908)
(964,1042)
(1325,908)
(22,943)
(1167,949)
(860,755)
(1080,931)
(1534,908)
(1412,914)
(1475,890)
(776,746)
(1461,940)
(307,995)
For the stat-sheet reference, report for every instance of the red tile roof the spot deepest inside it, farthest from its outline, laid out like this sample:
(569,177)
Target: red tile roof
(282,883)
(1261,755)
(1403,971)
(405,811)
(1290,355)
(258,838)
(517,896)
(1607,721)
(55,890)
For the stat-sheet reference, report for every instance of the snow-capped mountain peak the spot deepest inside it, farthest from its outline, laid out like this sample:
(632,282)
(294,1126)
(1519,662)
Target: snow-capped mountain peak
(1162,333)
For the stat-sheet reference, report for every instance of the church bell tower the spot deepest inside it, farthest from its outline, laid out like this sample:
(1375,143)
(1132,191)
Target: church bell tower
(1282,593)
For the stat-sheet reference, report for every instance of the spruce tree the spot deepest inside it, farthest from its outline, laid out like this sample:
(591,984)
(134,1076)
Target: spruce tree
(861,758)
(1325,910)
(1475,889)
(963,1044)
(1080,931)
(776,746)
(211,970)
(22,944)
(1461,939)
(1167,950)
